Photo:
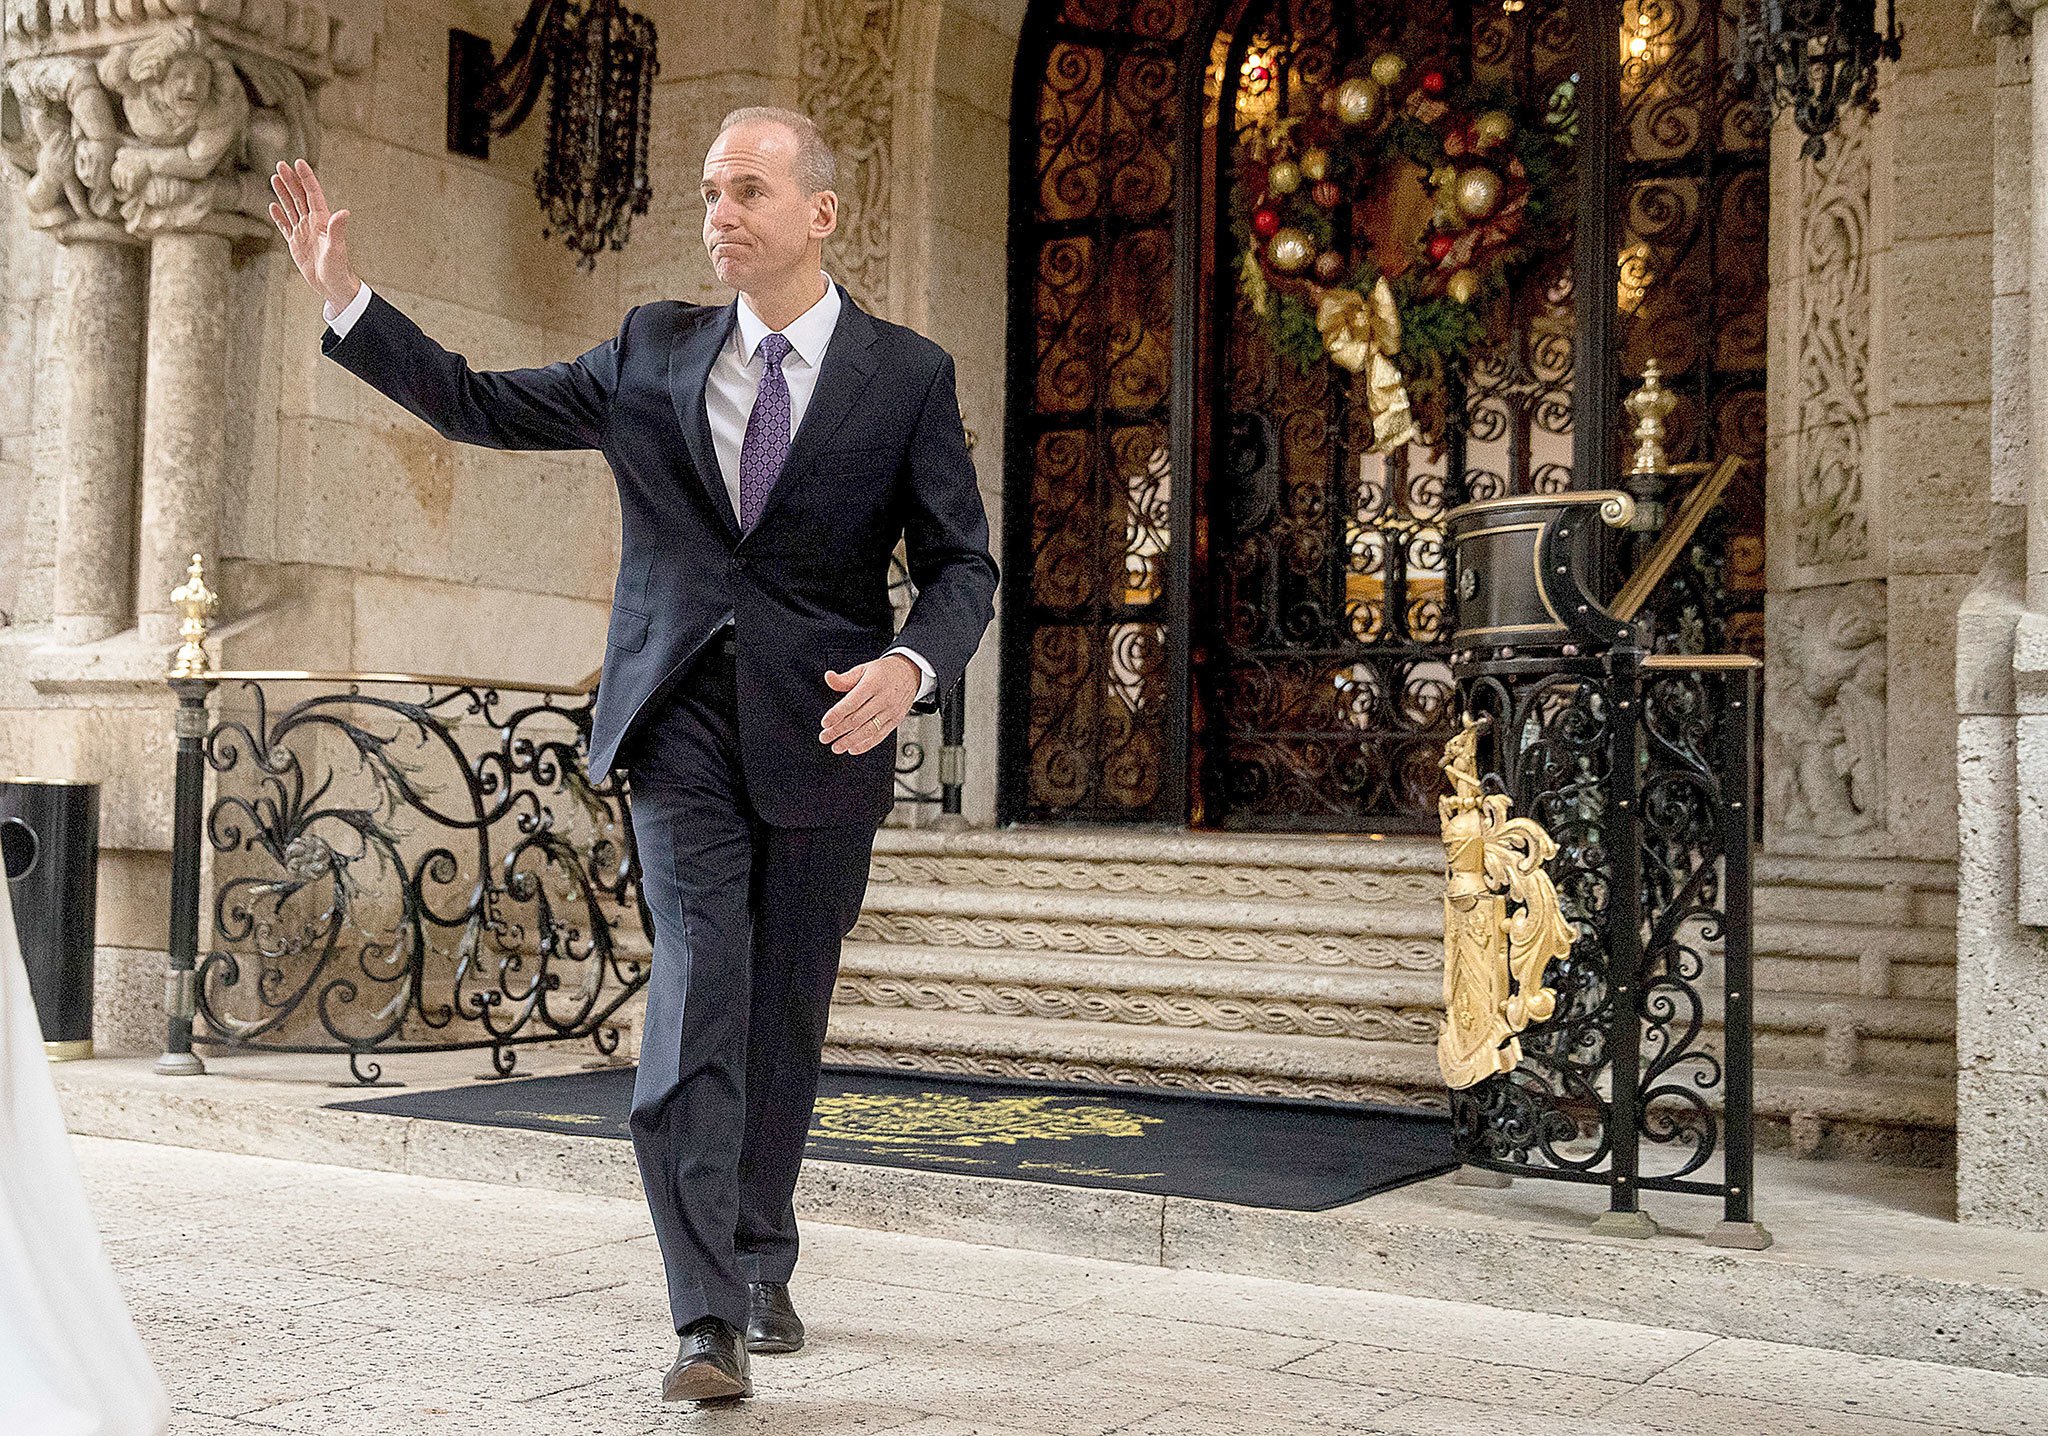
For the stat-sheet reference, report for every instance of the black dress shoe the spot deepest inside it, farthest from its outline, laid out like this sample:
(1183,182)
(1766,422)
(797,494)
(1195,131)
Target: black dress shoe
(711,1363)
(773,1326)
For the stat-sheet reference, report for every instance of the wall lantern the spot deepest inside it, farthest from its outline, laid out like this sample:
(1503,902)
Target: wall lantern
(1815,58)
(598,59)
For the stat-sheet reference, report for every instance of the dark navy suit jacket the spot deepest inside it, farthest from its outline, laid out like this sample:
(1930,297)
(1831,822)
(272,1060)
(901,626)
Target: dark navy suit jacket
(880,455)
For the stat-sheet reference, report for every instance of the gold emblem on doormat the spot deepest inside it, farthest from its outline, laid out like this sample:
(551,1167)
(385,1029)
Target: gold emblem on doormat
(1493,962)
(933,1119)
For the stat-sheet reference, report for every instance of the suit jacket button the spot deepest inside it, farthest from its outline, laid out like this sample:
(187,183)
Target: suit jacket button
(741,563)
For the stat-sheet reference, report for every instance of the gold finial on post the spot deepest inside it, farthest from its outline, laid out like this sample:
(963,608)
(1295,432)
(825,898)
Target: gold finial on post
(195,603)
(1649,406)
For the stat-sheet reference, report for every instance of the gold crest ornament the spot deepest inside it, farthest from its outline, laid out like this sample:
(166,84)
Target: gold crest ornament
(1494,961)
(1364,336)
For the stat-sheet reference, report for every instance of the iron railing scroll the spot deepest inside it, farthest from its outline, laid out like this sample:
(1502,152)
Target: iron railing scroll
(1640,767)
(398,862)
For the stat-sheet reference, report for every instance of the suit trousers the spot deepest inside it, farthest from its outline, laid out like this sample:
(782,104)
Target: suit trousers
(748,920)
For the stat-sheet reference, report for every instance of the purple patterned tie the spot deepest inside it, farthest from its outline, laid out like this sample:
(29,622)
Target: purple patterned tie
(767,442)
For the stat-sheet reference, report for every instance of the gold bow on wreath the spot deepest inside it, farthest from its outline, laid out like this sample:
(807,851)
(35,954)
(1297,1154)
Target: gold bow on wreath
(1364,336)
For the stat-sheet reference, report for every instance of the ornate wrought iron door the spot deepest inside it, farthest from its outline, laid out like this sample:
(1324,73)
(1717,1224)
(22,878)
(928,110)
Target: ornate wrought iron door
(1218,606)
(1321,667)
(1092,726)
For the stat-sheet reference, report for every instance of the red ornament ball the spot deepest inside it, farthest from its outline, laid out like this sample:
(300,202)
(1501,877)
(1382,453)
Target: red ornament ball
(1260,74)
(1432,82)
(1265,221)
(1326,194)
(1439,246)
(1330,266)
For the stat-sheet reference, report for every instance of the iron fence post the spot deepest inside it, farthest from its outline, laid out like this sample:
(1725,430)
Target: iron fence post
(952,758)
(1624,1215)
(1740,727)
(180,993)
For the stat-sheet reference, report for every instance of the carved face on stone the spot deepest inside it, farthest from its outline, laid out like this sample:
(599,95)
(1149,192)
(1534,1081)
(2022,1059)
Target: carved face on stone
(187,81)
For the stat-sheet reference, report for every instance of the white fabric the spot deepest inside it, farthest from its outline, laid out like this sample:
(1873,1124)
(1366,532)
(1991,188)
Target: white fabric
(346,320)
(729,393)
(71,1363)
(735,377)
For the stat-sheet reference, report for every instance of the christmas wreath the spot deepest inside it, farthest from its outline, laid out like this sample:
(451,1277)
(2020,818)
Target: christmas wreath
(1392,149)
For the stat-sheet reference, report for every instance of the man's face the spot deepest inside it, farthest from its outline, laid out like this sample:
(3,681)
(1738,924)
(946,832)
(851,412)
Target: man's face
(759,225)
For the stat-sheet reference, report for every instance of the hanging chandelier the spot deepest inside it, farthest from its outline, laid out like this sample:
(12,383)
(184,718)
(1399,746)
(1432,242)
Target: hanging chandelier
(598,59)
(1815,58)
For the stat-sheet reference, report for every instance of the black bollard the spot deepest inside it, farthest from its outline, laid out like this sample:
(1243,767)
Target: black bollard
(50,844)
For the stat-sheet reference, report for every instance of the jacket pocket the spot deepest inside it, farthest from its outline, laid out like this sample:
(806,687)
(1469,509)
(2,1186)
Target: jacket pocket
(628,632)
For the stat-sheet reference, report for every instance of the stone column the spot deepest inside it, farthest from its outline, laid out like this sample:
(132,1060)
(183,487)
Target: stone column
(2002,691)
(98,318)
(183,418)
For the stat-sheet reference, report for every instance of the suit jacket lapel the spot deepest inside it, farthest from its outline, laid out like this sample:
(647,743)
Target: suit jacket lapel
(693,348)
(849,363)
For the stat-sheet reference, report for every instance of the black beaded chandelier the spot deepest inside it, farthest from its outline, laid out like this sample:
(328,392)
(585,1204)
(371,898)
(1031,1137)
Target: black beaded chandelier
(1815,58)
(599,60)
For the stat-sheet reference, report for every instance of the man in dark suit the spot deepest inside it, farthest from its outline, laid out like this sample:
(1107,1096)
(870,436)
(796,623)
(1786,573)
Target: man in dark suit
(769,455)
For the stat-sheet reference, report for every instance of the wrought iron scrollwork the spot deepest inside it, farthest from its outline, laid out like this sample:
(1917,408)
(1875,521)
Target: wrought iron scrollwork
(1642,769)
(395,873)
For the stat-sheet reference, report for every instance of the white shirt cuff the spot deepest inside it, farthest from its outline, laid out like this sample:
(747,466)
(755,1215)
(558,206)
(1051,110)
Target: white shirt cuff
(931,678)
(346,320)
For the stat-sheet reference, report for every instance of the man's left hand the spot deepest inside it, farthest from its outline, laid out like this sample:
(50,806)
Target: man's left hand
(878,696)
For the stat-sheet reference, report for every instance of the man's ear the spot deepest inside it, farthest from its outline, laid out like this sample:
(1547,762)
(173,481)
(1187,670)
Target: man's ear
(824,214)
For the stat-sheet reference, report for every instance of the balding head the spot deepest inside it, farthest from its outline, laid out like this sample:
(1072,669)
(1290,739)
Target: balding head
(811,162)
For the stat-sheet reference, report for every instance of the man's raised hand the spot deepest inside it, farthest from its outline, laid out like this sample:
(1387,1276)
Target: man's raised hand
(316,235)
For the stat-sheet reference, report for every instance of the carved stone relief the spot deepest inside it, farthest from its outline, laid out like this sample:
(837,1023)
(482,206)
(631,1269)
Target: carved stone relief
(1830,520)
(171,132)
(1825,720)
(846,83)
(127,115)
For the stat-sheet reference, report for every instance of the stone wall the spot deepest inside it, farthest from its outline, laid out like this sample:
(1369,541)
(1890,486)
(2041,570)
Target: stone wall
(2001,693)
(1879,451)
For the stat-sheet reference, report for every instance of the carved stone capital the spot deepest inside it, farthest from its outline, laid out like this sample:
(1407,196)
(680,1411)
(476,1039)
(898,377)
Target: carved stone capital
(127,119)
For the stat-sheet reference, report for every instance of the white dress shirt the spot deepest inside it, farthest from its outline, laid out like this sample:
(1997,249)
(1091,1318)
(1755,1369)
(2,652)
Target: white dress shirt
(729,392)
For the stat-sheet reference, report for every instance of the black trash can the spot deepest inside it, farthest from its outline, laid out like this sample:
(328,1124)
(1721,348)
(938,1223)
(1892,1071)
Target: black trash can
(50,847)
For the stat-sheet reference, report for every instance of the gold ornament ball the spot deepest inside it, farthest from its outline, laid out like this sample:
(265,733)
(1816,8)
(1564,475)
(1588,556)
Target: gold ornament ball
(1284,177)
(1478,192)
(1493,128)
(1358,100)
(1462,286)
(1290,250)
(1316,163)
(1388,70)
(1329,266)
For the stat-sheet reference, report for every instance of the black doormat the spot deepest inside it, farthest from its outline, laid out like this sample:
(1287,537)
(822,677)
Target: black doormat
(1256,1151)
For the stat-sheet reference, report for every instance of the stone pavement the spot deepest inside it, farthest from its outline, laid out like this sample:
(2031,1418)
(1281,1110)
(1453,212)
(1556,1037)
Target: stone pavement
(282,1296)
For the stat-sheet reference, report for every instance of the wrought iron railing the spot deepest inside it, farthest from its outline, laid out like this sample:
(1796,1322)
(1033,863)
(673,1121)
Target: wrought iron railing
(1642,767)
(399,862)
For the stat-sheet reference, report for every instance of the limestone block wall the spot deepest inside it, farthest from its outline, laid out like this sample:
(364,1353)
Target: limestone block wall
(1879,450)
(2001,942)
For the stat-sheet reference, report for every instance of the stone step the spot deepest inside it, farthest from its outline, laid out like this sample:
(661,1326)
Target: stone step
(1356,1004)
(1867,1259)
(1402,874)
(1841,1036)
(1818,1031)
(1885,892)
(1117,925)
(1272,1064)
(1902,1117)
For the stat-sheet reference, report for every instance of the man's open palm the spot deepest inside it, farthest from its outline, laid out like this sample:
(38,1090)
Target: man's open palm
(316,235)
